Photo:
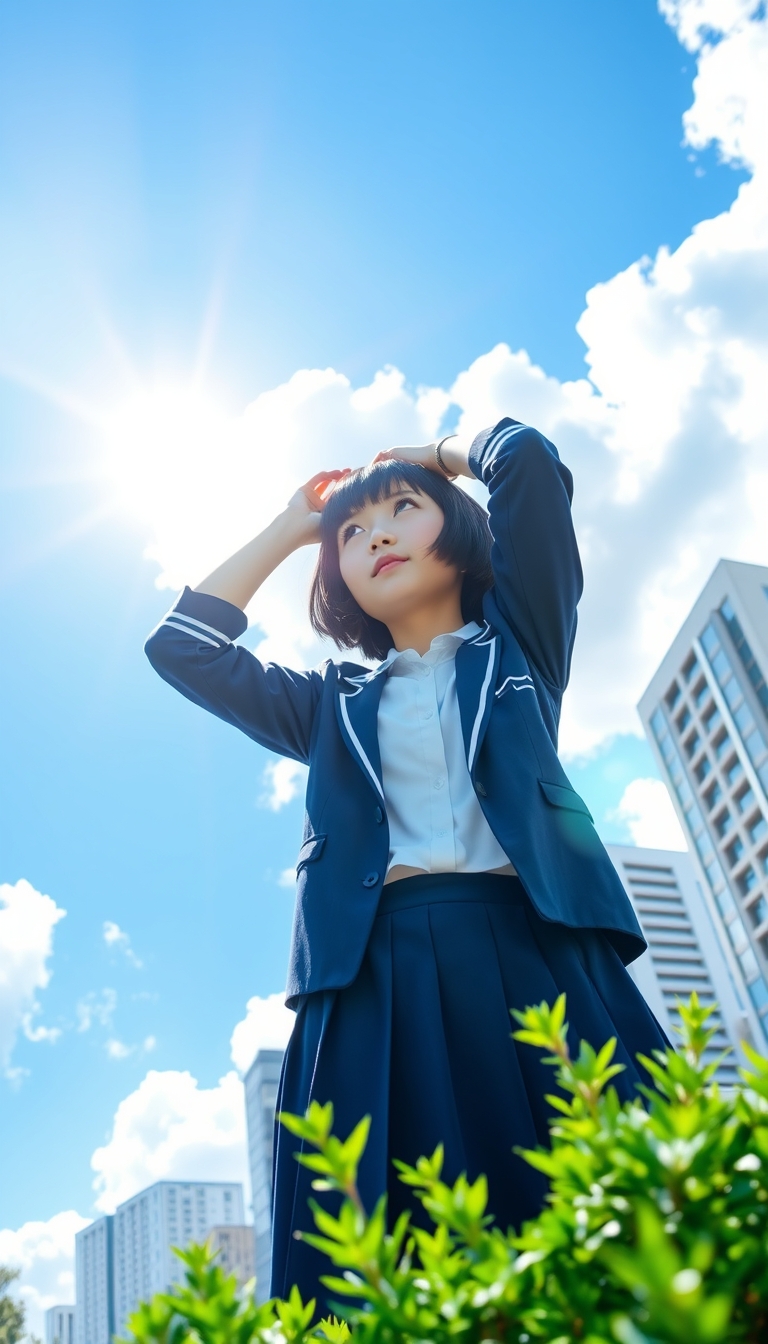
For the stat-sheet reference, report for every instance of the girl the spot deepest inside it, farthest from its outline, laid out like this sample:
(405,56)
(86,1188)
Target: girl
(448,872)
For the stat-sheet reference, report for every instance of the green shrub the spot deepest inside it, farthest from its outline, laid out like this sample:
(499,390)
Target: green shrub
(654,1230)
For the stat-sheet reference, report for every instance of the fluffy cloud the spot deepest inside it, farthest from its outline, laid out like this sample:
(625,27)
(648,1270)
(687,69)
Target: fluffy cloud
(667,437)
(96,1008)
(116,937)
(647,811)
(27,921)
(170,1128)
(45,1254)
(284,780)
(266,1026)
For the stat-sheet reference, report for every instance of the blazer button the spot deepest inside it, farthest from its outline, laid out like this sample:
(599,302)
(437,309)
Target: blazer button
(379,815)
(371,880)
(481,789)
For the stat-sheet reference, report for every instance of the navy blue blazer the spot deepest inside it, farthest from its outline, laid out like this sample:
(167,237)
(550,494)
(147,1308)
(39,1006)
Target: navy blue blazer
(509,679)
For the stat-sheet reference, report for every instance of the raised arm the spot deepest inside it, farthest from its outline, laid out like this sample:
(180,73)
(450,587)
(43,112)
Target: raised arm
(193,647)
(536,566)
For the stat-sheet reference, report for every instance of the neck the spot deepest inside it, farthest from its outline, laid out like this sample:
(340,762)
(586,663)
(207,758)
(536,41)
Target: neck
(416,629)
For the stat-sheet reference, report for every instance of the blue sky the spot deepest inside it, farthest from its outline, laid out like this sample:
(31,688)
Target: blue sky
(224,195)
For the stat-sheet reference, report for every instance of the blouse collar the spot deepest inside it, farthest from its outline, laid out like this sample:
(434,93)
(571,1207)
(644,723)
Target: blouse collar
(441,650)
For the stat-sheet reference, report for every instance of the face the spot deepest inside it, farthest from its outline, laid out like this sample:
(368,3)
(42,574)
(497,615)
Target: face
(384,555)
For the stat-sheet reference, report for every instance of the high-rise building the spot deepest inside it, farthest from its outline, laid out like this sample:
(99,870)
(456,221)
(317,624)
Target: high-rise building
(684,953)
(235,1250)
(60,1325)
(95,1318)
(148,1226)
(706,715)
(261,1084)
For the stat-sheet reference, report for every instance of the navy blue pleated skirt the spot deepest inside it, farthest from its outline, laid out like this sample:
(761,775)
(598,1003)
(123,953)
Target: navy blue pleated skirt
(421,1041)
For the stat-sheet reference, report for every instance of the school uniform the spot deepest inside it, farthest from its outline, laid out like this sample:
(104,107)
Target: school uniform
(447,763)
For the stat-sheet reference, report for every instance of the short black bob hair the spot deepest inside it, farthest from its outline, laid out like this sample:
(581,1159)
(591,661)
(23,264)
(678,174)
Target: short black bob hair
(465,541)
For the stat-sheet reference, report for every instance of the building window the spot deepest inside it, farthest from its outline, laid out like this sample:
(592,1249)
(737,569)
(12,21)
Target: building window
(758,993)
(758,827)
(701,693)
(673,695)
(763,861)
(734,851)
(683,719)
(745,653)
(745,798)
(748,963)
(690,667)
(722,744)
(747,880)
(725,903)
(715,877)
(755,744)
(723,823)
(683,791)
(713,795)
(734,770)
(709,641)
(667,748)
(702,769)
(658,724)
(712,720)
(692,745)
(758,912)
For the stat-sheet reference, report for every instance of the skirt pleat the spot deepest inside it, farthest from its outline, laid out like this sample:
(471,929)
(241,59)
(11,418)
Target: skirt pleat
(421,1041)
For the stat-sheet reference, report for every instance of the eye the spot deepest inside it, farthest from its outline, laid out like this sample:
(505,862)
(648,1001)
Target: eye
(349,532)
(401,504)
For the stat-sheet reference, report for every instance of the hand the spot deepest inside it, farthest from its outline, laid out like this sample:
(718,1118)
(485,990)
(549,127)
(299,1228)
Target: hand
(423,455)
(310,500)
(454,452)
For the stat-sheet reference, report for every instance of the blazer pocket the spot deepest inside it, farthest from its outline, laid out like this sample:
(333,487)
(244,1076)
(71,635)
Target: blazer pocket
(310,850)
(559,795)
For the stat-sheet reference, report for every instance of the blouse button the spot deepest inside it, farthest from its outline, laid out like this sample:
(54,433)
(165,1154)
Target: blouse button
(439,783)
(371,880)
(481,789)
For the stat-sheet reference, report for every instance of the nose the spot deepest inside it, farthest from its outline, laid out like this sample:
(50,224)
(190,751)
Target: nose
(380,537)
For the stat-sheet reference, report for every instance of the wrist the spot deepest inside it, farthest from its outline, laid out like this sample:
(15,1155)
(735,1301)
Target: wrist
(454,454)
(294,528)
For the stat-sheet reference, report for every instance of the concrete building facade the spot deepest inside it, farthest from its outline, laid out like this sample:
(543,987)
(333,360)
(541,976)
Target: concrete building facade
(235,1250)
(706,716)
(94,1288)
(684,953)
(60,1325)
(261,1084)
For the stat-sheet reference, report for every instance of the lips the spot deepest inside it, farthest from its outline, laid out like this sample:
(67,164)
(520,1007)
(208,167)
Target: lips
(387,562)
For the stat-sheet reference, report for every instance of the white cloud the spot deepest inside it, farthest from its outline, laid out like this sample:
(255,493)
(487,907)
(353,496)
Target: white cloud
(287,878)
(646,809)
(284,780)
(668,439)
(266,1026)
(27,921)
(116,937)
(45,1254)
(171,1128)
(96,1008)
(117,1049)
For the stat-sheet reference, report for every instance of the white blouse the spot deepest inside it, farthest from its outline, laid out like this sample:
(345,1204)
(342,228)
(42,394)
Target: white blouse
(436,824)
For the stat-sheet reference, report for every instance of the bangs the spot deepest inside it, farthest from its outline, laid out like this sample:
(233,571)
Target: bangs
(371,484)
(464,542)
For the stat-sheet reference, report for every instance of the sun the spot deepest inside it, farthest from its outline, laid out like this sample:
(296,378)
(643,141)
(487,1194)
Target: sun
(161,445)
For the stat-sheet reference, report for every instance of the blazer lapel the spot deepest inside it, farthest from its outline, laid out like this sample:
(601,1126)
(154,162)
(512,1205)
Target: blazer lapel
(357,710)
(477,668)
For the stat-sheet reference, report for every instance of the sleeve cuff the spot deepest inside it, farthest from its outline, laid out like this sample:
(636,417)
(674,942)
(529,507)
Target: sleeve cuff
(213,613)
(483,449)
